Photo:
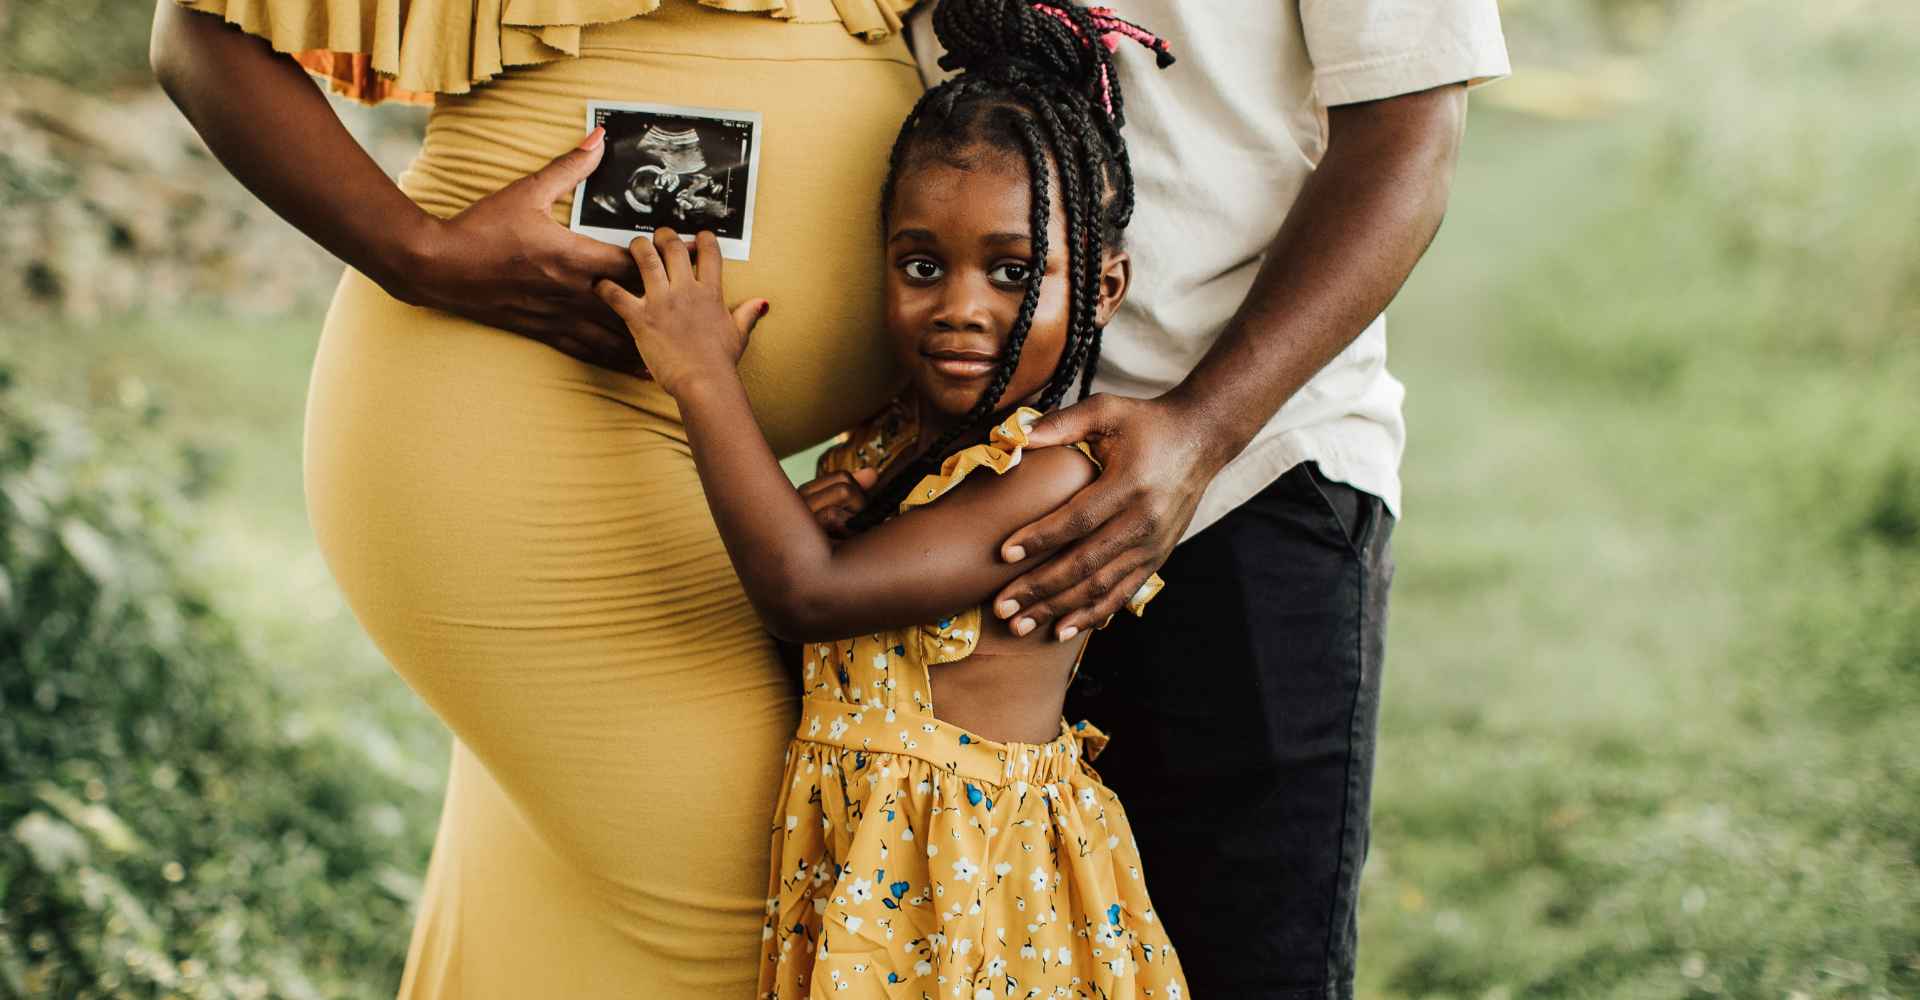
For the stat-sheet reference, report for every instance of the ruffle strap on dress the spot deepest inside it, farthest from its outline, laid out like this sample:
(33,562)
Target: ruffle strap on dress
(409,50)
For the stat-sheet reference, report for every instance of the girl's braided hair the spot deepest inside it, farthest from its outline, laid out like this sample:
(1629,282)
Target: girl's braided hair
(1037,78)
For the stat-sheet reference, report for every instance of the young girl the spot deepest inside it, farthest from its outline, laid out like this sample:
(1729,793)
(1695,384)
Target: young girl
(940,833)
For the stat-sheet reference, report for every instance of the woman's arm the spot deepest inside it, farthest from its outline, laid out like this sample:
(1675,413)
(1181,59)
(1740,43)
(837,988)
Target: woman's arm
(934,561)
(503,262)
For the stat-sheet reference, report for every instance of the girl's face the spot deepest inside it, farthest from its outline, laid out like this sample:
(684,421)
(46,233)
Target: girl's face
(958,260)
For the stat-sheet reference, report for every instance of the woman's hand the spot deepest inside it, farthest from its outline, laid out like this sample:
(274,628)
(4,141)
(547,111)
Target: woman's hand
(681,324)
(836,497)
(505,262)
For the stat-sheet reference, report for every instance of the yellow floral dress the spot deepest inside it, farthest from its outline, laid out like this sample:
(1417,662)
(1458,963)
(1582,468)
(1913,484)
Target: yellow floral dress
(913,860)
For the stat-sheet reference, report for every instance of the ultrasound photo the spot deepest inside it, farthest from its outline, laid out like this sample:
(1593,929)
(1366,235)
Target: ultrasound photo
(686,168)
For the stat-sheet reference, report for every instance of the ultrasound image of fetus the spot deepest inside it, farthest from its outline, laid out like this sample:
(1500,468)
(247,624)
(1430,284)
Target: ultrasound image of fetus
(669,180)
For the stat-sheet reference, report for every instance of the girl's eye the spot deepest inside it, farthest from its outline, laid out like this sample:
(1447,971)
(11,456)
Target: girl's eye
(921,269)
(1011,273)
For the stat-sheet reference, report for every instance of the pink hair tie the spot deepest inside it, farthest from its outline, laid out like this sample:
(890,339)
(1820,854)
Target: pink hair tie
(1112,30)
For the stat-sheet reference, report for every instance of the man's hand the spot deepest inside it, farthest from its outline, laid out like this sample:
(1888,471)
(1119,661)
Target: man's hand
(505,262)
(1155,463)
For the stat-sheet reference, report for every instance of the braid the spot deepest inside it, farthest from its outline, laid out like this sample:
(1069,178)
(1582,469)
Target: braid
(1039,215)
(1040,77)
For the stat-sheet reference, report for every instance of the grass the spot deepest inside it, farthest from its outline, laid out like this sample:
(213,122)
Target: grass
(1655,654)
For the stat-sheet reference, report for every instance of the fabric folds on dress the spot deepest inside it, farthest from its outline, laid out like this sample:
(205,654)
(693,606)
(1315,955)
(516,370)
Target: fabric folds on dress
(409,50)
(912,858)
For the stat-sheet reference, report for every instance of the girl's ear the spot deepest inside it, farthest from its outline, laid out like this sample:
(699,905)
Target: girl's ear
(1116,273)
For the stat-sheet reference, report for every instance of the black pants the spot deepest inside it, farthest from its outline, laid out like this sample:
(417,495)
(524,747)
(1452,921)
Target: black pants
(1243,710)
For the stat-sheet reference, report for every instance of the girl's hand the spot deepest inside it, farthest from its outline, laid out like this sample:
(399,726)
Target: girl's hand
(681,324)
(836,497)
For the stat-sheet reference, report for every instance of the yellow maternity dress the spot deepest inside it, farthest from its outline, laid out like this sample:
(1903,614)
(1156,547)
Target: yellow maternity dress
(525,537)
(913,859)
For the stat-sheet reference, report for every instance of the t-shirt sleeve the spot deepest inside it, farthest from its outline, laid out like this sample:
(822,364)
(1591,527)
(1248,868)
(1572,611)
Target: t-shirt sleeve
(1366,50)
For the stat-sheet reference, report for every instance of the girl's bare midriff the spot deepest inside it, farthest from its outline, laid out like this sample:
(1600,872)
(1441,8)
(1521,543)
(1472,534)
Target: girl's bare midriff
(1011,690)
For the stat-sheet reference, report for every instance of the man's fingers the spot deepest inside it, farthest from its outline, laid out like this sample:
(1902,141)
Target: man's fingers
(1024,596)
(566,171)
(1085,513)
(1083,421)
(1110,602)
(866,477)
(707,264)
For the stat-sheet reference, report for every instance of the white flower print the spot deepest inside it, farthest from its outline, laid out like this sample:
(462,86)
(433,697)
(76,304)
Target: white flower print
(962,945)
(853,923)
(1086,797)
(1173,991)
(839,729)
(861,890)
(964,870)
(1039,880)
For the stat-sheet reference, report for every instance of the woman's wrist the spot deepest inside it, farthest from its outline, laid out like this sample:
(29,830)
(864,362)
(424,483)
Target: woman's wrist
(408,252)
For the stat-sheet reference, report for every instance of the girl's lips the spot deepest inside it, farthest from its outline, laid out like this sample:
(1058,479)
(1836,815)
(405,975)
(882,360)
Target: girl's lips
(962,365)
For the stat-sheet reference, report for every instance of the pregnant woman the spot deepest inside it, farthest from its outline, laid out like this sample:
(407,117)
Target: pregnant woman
(508,504)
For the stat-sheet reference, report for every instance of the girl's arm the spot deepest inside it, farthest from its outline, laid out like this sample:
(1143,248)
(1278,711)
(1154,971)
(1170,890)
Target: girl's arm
(935,561)
(503,261)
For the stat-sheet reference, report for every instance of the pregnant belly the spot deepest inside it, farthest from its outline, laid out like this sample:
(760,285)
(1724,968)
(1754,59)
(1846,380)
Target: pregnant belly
(830,105)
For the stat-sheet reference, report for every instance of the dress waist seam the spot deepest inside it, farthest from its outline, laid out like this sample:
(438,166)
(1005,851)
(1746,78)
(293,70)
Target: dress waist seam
(866,729)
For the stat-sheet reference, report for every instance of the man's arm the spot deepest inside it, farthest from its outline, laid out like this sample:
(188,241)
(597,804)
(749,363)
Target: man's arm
(1361,223)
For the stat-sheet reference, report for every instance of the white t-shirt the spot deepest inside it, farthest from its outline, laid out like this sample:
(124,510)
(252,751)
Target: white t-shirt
(1221,144)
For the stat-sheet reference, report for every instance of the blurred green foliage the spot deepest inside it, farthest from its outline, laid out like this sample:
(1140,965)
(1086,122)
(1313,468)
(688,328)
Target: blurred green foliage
(97,44)
(1655,676)
(167,828)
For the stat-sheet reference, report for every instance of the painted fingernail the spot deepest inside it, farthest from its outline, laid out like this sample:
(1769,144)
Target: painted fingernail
(1015,553)
(1023,626)
(1069,632)
(594,138)
(765,308)
(1005,609)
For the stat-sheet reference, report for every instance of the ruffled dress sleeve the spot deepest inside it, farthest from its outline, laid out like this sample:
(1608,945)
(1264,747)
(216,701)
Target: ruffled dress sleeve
(409,50)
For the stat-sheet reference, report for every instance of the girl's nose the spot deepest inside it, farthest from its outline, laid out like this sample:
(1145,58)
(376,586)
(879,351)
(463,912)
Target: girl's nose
(963,308)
